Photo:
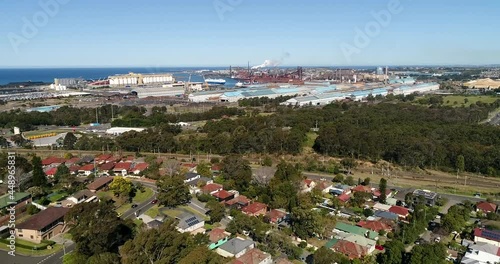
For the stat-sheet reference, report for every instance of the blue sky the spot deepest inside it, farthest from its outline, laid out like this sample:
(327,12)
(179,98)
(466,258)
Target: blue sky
(232,32)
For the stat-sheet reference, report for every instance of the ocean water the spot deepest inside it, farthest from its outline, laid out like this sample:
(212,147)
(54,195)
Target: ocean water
(9,75)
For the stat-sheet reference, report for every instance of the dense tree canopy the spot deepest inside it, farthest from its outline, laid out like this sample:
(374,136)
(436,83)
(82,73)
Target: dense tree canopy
(172,191)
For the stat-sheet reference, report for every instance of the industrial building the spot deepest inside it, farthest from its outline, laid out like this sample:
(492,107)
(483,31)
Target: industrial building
(143,92)
(68,82)
(418,88)
(116,131)
(133,79)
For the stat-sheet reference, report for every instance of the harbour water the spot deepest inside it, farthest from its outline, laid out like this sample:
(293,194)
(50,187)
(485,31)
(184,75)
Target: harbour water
(47,75)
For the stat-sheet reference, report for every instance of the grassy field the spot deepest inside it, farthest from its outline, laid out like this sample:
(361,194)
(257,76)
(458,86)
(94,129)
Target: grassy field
(460,99)
(311,137)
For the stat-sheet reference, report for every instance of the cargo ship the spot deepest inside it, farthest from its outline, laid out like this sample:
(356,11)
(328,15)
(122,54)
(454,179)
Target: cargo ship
(215,81)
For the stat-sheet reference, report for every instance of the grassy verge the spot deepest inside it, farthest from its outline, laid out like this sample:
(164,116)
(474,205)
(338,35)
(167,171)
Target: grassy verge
(460,99)
(141,197)
(29,252)
(153,211)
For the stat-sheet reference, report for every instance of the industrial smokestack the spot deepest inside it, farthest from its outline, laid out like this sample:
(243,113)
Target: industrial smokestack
(386,76)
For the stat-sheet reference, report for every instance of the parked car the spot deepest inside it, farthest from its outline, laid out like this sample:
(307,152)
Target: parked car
(438,239)
(154,201)
(134,205)
(379,247)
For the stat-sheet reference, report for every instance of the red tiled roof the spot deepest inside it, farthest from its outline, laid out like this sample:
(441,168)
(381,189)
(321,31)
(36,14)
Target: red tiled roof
(99,182)
(140,166)
(399,210)
(72,160)
(107,166)
(103,157)
(43,218)
(361,188)
(254,208)
(241,199)
(217,234)
(122,166)
(344,197)
(211,187)
(377,192)
(252,256)
(223,194)
(350,249)
(374,225)
(275,214)
(216,167)
(51,160)
(486,207)
(308,182)
(51,172)
(189,165)
(88,167)
(74,168)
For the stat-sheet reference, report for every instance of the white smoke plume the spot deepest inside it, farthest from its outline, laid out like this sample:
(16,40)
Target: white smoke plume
(272,63)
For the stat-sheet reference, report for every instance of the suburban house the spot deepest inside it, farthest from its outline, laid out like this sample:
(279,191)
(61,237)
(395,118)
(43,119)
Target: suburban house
(367,244)
(217,237)
(430,197)
(139,167)
(107,167)
(42,226)
(211,188)
(344,198)
(191,167)
(486,207)
(103,158)
(72,161)
(122,168)
(349,249)
(340,189)
(254,256)
(235,247)
(375,225)
(343,228)
(86,159)
(402,212)
(216,168)
(20,201)
(377,193)
(223,195)
(52,162)
(154,224)
(277,216)
(324,186)
(487,236)
(191,176)
(99,183)
(238,202)
(255,209)
(362,188)
(381,207)
(307,185)
(83,196)
(481,253)
(51,172)
(386,215)
(73,169)
(189,222)
(86,169)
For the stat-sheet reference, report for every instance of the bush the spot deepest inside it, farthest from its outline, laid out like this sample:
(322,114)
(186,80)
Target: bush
(390,235)
(31,209)
(205,197)
(303,244)
(214,160)
(381,232)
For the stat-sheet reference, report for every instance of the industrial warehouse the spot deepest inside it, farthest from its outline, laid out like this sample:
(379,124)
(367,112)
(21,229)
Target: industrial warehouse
(313,93)
(139,79)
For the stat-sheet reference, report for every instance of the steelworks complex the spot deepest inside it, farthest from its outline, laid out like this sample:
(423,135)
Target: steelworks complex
(314,93)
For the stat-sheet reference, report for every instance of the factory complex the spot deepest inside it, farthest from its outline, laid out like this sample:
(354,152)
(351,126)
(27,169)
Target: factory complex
(314,93)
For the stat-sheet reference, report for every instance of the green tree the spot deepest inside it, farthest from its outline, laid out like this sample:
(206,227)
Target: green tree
(349,181)
(237,170)
(97,228)
(366,182)
(382,186)
(268,162)
(428,253)
(39,177)
(122,187)
(326,256)
(216,211)
(349,164)
(69,141)
(201,255)
(62,174)
(104,258)
(31,209)
(172,191)
(394,253)
(204,169)
(338,178)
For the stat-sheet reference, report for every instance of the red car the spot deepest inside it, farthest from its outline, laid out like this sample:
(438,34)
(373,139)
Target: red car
(379,247)
(154,201)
